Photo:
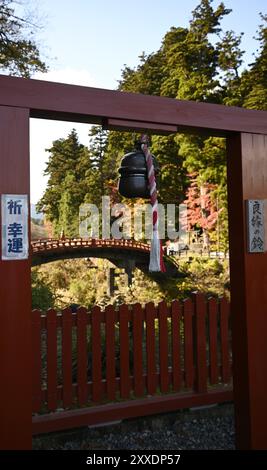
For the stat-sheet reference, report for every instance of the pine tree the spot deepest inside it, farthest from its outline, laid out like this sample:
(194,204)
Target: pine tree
(189,65)
(102,171)
(254,81)
(67,186)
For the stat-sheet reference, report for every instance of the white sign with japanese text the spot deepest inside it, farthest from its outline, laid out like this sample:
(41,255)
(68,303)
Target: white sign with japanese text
(256,236)
(15,239)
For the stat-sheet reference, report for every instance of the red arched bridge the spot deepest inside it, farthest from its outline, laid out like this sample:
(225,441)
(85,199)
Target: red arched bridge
(123,253)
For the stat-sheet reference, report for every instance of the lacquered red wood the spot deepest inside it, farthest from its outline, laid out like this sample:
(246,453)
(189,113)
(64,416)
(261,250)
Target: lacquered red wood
(82,354)
(150,348)
(37,361)
(176,345)
(124,351)
(101,388)
(213,339)
(96,354)
(93,105)
(110,352)
(201,342)
(121,124)
(129,409)
(247,179)
(51,360)
(188,344)
(138,349)
(246,132)
(224,333)
(163,346)
(67,357)
(15,293)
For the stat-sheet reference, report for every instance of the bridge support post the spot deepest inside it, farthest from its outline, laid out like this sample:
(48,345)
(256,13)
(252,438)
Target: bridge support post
(129,267)
(15,293)
(110,281)
(247,180)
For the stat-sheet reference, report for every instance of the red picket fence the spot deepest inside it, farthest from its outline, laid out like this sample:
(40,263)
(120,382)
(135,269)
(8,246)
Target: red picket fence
(99,366)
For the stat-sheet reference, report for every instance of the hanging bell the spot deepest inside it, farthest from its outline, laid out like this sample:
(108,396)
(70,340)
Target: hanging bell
(133,180)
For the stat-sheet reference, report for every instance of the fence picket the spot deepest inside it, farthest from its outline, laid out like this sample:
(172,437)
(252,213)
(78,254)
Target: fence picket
(163,347)
(200,332)
(51,359)
(188,344)
(110,352)
(187,326)
(138,349)
(124,351)
(176,345)
(37,361)
(213,341)
(224,317)
(82,355)
(67,356)
(96,355)
(150,348)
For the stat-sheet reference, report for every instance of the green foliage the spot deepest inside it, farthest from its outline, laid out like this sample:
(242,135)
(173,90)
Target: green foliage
(198,63)
(42,292)
(67,185)
(254,81)
(206,275)
(77,175)
(19,53)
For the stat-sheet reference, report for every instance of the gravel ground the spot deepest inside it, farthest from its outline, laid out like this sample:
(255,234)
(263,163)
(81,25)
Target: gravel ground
(203,429)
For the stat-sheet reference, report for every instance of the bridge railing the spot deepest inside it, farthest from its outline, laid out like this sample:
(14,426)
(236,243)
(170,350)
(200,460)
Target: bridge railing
(97,366)
(52,244)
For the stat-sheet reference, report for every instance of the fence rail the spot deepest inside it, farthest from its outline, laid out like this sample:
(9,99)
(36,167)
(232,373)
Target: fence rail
(101,363)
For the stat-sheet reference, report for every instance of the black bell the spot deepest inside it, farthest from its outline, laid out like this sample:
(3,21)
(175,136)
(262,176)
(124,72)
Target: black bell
(133,180)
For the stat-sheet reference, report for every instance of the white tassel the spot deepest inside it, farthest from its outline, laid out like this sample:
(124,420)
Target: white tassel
(154,262)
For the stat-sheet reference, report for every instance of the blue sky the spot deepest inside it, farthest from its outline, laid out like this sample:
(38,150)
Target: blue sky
(88,42)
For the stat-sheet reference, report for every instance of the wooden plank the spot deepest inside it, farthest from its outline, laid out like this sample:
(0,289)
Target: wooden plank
(110,352)
(246,177)
(82,362)
(125,410)
(201,361)
(67,357)
(163,346)
(224,323)
(176,345)
(120,124)
(150,348)
(213,340)
(138,349)
(96,354)
(15,293)
(83,104)
(37,361)
(124,352)
(51,359)
(188,343)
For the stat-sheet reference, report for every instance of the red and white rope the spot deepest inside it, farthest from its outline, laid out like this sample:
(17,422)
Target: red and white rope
(156,262)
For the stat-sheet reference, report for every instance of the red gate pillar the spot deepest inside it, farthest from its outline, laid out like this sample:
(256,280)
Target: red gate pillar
(15,293)
(247,179)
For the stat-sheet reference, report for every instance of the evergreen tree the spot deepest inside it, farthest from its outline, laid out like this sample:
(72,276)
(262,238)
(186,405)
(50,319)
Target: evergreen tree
(254,81)
(67,185)
(19,53)
(100,170)
(189,65)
